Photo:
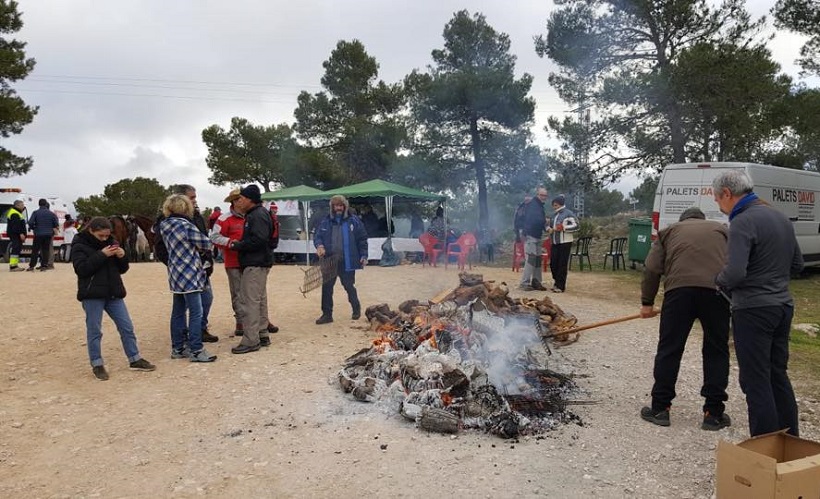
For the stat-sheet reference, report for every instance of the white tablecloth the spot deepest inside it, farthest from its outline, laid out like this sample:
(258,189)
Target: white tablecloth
(374,246)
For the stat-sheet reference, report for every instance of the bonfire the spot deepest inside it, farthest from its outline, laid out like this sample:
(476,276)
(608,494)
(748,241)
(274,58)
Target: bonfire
(470,358)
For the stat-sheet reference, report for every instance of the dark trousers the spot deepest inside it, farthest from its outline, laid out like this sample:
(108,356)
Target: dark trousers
(559,264)
(348,282)
(40,243)
(681,306)
(762,349)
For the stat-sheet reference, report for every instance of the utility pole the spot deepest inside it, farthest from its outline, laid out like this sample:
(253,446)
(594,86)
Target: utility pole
(581,155)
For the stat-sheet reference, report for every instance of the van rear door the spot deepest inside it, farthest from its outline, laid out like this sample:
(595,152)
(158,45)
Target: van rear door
(684,186)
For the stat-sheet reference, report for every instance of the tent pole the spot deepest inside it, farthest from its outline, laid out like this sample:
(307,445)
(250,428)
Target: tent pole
(305,207)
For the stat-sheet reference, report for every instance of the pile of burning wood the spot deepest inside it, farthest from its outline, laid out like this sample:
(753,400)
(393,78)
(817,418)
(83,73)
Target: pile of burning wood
(472,357)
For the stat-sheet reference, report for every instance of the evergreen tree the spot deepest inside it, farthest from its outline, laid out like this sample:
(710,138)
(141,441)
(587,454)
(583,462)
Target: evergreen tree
(471,114)
(14,113)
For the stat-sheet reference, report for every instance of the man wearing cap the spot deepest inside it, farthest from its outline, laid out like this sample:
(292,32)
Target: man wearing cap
(563,225)
(44,224)
(229,227)
(341,237)
(689,253)
(16,229)
(255,261)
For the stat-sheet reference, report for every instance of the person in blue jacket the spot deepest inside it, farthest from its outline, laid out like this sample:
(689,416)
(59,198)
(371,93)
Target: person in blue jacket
(341,239)
(44,224)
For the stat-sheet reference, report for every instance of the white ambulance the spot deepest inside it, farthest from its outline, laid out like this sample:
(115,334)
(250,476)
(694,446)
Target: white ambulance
(8,195)
(793,192)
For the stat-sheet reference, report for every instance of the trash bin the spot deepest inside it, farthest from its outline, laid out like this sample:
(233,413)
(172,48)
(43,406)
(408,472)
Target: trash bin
(640,239)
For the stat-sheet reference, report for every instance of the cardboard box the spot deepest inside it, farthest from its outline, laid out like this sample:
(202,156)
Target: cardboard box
(769,466)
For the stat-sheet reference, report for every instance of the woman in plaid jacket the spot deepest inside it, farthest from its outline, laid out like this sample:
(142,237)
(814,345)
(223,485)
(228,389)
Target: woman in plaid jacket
(186,277)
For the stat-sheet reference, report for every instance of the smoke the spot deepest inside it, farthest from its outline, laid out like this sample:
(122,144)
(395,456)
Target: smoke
(509,351)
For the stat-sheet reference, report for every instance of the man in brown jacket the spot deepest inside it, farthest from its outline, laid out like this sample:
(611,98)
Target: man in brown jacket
(689,253)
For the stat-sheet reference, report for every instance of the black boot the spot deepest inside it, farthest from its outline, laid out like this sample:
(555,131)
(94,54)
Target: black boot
(324,319)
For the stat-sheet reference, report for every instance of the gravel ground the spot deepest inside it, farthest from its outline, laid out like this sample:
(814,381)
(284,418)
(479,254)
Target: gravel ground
(273,424)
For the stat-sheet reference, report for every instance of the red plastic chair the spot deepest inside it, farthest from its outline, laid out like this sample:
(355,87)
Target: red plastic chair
(518,255)
(432,248)
(461,249)
(545,255)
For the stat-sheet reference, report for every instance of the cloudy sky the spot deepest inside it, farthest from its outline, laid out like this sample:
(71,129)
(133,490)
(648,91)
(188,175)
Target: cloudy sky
(125,87)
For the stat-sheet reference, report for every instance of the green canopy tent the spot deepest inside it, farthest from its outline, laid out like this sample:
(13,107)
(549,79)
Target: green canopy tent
(303,194)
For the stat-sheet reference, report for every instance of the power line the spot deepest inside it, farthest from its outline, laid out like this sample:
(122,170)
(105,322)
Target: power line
(181,97)
(138,85)
(166,80)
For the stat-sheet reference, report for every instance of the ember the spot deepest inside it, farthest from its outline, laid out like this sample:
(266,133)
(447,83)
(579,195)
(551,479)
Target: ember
(471,358)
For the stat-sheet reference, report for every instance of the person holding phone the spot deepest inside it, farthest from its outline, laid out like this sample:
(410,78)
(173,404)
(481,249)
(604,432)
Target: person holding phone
(99,263)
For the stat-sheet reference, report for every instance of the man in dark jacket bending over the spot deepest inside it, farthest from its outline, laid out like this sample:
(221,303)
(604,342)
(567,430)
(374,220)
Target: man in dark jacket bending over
(689,254)
(342,238)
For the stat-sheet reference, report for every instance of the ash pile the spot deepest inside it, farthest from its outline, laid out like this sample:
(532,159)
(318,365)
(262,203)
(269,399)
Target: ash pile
(470,358)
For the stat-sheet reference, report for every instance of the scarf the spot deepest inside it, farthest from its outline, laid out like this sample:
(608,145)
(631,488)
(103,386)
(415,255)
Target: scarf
(747,199)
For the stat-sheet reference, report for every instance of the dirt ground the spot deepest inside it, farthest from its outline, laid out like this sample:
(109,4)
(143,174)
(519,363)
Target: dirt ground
(275,424)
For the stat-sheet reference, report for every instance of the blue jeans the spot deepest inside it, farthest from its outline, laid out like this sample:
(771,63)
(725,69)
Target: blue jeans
(192,304)
(207,301)
(115,308)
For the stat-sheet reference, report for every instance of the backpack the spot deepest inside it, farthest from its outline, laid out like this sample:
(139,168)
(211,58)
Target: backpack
(518,218)
(160,250)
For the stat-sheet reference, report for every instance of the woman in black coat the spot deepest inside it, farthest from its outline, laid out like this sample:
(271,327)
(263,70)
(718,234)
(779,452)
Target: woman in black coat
(99,263)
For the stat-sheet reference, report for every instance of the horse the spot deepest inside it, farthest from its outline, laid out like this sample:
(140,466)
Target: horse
(146,224)
(133,230)
(119,229)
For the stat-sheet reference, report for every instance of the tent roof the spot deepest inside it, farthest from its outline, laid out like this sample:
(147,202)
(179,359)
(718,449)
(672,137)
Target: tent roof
(377,187)
(297,193)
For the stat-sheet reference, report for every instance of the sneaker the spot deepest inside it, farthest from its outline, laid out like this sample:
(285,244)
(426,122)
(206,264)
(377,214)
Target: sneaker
(183,353)
(207,337)
(556,290)
(715,423)
(356,314)
(30,269)
(16,269)
(526,287)
(324,319)
(660,418)
(100,372)
(142,365)
(272,329)
(202,356)
(264,341)
(240,349)
(536,285)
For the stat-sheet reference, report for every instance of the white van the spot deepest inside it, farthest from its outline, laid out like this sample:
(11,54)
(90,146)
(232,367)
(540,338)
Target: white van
(794,192)
(8,195)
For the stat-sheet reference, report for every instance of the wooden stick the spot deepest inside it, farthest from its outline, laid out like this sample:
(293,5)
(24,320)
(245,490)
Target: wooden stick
(597,324)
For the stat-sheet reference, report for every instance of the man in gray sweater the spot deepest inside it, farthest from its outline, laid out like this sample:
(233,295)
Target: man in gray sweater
(763,253)
(688,253)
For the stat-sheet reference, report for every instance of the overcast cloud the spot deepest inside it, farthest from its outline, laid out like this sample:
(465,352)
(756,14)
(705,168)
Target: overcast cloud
(126,87)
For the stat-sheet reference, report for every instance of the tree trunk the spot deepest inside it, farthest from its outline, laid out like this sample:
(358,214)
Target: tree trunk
(480,174)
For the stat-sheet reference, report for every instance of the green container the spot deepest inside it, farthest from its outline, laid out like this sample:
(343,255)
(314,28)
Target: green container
(640,239)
